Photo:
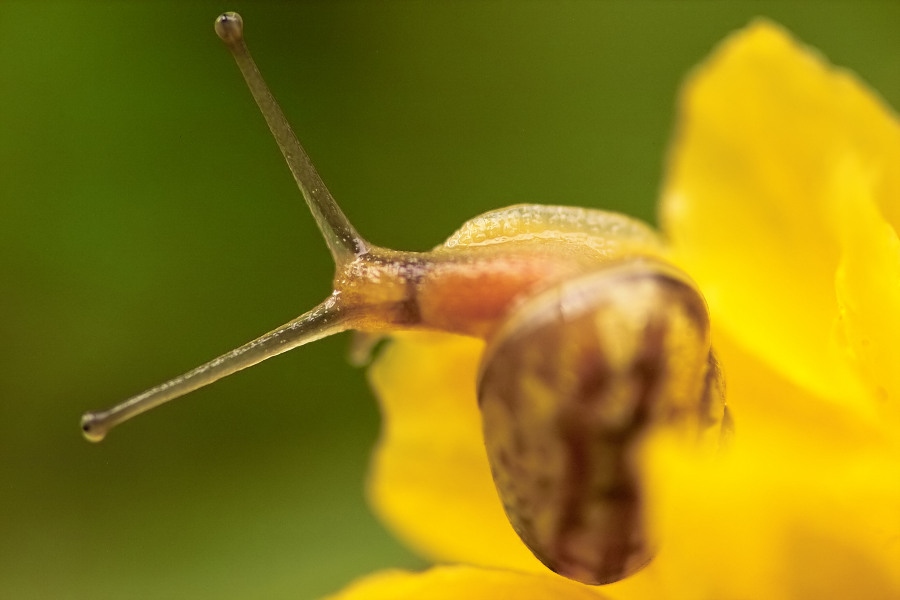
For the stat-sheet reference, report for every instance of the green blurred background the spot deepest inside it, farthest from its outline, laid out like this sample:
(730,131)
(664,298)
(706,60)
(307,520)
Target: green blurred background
(148,223)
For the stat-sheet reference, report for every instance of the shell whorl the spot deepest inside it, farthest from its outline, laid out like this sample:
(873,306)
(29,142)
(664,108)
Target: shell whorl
(606,233)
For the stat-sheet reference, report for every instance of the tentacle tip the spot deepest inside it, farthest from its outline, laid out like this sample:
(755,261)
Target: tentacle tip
(230,27)
(92,428)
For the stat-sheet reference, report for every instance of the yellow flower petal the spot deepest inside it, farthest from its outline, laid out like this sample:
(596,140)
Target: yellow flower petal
(465,583)
(779,172)
(746,202)
(430,479)
(779,520)
(765,402)
(868,284)
(739,525)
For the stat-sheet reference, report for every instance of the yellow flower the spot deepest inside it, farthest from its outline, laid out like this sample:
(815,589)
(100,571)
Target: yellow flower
(782,199)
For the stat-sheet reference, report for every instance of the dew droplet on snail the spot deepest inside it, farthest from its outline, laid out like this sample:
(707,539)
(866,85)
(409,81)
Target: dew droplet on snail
(593,340)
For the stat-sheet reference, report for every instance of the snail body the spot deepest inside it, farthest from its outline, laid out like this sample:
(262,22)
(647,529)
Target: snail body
(593,341)
(469,284)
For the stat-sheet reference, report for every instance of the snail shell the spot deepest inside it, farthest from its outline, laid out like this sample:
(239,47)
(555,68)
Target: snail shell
(569,387)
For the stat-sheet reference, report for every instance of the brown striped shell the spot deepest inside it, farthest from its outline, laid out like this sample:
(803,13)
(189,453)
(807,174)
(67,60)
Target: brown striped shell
(570,386)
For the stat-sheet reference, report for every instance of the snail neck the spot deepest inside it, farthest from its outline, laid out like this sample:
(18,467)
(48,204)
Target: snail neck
(466,293)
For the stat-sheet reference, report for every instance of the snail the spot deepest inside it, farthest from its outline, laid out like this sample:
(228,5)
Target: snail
(593,340)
